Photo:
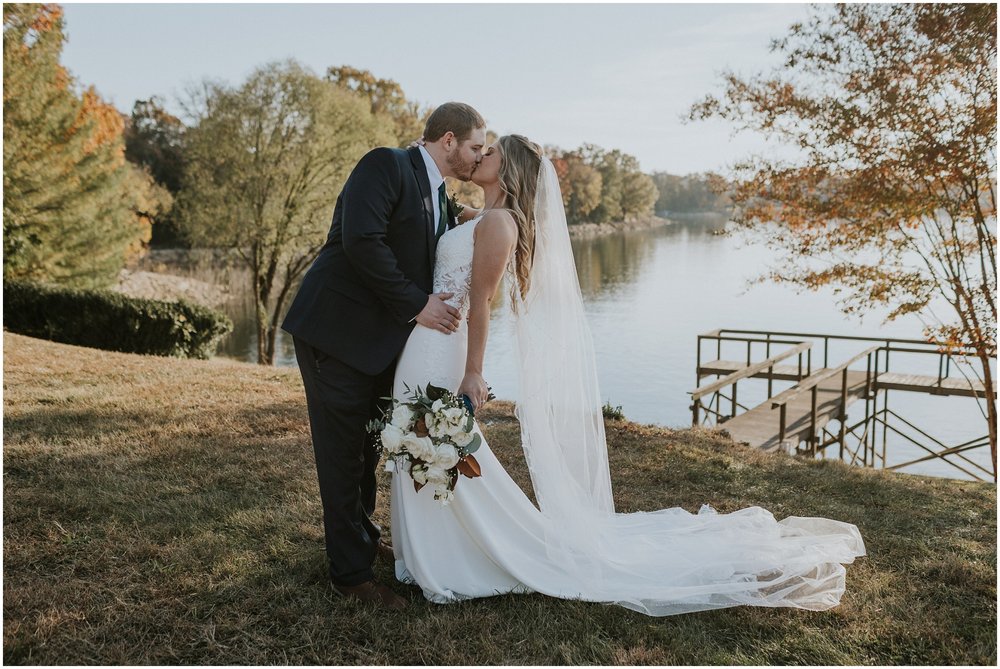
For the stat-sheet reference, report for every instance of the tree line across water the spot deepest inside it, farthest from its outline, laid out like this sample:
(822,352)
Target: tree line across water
(255,167)
(88,188)
(351,110)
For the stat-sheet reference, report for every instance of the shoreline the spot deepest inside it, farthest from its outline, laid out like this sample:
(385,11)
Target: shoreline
(589,230)
(160,275)
(164,273)
(159,283)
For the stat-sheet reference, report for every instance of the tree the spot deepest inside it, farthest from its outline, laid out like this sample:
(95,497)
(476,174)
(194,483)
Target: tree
(706,192)
(154,141)
(580,185)
(386,98)
(149,202)
(894,198)
(265,163)
(626,192)
(609,208)
(638,195)
(68,213)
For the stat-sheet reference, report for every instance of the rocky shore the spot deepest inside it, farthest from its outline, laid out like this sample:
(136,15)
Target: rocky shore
(170,288)
(588,230)
(161,274)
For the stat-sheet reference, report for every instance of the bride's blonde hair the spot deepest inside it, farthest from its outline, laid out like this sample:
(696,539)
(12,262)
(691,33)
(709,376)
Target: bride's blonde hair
(520,160)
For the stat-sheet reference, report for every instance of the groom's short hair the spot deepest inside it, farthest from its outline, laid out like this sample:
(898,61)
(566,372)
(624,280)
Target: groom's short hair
(458,117)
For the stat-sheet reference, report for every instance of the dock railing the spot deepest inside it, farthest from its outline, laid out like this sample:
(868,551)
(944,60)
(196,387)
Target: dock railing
(875,389)
(732,379)
(812,384)
(775,337)
(882,416)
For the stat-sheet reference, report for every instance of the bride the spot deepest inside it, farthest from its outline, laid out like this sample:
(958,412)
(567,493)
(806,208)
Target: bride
(491,539)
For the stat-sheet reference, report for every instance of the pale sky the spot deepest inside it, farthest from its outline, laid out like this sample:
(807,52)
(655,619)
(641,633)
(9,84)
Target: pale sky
(619,76)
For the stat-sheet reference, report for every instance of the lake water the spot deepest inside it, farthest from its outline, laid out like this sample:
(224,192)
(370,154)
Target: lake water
(648,295)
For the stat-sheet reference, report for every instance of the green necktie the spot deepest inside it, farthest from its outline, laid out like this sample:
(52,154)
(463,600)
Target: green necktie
(443,208)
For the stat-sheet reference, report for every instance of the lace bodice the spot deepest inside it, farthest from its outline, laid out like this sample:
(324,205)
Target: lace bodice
(453,264)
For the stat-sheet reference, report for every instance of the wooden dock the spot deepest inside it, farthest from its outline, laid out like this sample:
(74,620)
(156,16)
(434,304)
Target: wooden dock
(797,419)
(800,415)
(759,427)
(931,385)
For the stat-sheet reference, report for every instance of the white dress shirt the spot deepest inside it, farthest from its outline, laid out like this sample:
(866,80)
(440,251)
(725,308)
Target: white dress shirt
(435,179)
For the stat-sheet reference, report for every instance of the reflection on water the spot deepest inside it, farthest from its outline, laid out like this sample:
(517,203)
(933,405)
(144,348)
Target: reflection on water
(648,294)
(606,262)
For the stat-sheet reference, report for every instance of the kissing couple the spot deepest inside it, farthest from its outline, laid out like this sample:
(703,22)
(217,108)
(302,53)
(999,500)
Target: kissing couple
(399,297)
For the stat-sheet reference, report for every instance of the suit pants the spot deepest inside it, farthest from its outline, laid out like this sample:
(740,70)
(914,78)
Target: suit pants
(341,401)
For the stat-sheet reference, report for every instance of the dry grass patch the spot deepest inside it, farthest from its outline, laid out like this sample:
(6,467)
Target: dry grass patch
(164,511)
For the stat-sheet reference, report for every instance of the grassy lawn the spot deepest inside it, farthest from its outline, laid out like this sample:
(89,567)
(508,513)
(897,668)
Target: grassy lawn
(162,511)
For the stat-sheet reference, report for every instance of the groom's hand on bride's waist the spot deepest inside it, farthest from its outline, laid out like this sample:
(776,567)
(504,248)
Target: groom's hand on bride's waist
(439,315)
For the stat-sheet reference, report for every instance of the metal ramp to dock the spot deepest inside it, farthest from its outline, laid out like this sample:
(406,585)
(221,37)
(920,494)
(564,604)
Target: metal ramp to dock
(797,419)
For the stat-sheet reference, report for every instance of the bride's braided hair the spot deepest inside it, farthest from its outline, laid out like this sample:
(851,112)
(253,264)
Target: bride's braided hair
(520,160)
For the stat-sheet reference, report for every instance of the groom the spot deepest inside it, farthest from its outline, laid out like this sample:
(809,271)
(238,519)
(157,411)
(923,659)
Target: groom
(357,304)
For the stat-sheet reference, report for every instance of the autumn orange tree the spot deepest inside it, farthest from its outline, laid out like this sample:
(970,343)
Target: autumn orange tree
(579,182)
(386,98)
(74,210)
(892,109)
(601,186)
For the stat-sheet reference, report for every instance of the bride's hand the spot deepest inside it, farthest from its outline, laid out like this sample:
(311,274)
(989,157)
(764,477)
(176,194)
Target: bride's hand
(474,385)
(417,142)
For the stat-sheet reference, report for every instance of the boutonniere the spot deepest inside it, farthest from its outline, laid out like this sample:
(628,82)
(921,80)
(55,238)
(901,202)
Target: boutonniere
(454,206)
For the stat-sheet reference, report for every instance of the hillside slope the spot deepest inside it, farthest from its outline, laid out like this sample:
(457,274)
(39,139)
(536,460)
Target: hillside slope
(166,511)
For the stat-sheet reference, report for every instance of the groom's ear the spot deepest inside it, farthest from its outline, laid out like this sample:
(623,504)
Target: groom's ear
(448,140)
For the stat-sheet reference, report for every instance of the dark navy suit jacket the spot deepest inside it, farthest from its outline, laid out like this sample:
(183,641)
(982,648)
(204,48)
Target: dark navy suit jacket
(373,276)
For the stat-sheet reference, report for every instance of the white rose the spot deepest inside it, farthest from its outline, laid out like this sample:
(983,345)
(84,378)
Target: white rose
(437,475)
(429,420)
(454,430)
(462,439)
(419,473)
(444,496)
(446,456)
(392,438)
(421,448)
(437,406)
(434,426)
(402,416)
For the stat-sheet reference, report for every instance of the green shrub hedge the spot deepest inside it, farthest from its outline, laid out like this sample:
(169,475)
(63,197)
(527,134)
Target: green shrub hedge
(112,321)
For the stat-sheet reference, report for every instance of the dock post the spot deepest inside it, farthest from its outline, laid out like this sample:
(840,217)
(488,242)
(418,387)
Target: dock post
(843,412)
(781,426)
(812,428)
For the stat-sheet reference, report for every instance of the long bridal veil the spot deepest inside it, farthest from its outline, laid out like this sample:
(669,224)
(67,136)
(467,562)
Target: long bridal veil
(663,562)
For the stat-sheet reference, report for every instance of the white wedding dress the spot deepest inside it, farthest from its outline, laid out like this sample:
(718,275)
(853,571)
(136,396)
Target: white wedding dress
(492,539)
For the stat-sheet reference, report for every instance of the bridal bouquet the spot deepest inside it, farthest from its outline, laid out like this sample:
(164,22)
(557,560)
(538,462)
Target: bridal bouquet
(430,436)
